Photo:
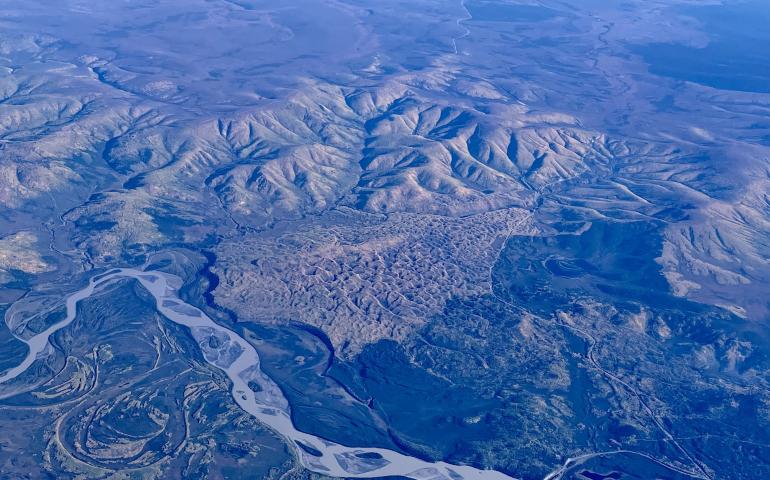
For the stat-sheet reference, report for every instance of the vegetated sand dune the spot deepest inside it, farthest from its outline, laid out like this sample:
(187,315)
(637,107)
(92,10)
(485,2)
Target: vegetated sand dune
(362,278)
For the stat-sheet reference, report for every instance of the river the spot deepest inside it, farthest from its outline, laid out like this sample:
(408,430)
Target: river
(252,390)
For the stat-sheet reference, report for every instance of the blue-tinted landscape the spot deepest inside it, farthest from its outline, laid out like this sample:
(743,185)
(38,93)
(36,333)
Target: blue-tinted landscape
(437,240)
(734,58)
